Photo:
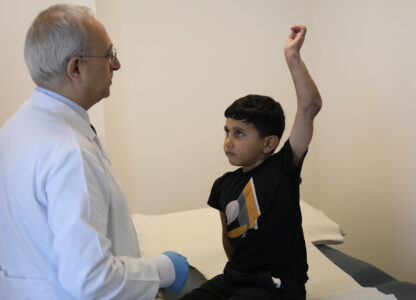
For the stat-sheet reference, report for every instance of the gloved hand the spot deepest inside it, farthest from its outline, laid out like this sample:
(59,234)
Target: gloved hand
(181,270)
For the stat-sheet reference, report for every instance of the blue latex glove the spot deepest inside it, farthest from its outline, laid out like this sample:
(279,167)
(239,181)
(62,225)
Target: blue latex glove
(181,270)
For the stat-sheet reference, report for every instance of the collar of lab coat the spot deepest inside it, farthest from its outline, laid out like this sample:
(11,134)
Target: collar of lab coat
(76,120)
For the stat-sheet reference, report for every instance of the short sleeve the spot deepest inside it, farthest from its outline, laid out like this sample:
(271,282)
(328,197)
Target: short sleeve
(287,161)
(213,199)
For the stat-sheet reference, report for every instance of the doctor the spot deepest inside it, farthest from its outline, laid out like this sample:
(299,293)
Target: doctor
(65,229)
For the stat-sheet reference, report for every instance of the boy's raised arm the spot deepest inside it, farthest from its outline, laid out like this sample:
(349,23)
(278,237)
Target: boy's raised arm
(309,100)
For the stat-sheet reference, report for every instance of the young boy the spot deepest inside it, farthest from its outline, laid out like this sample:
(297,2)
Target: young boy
(259,202)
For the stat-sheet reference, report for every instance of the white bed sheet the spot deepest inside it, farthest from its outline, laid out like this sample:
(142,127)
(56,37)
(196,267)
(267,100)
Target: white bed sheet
(196,234)
(328,282)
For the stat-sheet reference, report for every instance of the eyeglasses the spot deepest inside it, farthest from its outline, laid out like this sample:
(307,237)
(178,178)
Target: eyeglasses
(111,55)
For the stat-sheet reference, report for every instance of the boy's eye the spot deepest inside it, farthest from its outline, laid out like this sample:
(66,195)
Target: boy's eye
(239,133)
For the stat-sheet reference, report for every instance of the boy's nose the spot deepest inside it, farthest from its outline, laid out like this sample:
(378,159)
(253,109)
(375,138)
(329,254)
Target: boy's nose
(228,142)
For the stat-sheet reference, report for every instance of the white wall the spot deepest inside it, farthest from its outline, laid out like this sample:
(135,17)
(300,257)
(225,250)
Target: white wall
(365,62)
(183,63)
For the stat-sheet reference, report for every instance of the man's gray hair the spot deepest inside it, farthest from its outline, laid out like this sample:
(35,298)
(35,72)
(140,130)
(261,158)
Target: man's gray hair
(56,35)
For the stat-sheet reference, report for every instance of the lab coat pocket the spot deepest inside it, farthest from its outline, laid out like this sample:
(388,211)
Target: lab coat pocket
(18,288)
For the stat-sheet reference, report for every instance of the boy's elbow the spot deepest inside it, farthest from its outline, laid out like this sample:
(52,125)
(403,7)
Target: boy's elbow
(313,108)
(317,105)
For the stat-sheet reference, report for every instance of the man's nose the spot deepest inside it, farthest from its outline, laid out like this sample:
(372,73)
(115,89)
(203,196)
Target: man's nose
(117,65)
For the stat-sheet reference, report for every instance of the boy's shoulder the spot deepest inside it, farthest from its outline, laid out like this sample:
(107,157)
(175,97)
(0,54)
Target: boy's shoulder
(229,175)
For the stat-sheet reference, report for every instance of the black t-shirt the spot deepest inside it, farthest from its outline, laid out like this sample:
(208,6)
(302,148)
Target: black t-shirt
(264,218)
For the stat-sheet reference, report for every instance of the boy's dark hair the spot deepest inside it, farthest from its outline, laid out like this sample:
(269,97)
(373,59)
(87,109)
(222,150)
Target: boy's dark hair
(263,112)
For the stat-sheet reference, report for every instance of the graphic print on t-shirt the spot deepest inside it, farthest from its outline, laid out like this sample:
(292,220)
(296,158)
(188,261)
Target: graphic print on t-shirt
(245,209)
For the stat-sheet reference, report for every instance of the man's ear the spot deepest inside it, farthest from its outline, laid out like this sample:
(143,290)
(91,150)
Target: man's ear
(73,69)
(270,143)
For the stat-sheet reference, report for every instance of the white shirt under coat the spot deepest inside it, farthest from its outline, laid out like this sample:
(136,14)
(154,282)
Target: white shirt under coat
(65,229)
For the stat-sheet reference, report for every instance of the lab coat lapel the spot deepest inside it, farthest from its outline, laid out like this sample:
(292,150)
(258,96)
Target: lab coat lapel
(75,120)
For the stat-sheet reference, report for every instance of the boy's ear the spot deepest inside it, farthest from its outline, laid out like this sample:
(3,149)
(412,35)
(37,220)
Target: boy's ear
(270,143)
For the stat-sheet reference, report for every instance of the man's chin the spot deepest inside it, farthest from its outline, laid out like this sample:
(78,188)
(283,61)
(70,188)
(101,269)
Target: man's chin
(106,95)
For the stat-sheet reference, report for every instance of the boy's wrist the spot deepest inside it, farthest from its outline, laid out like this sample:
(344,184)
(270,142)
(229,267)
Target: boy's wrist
(293,59)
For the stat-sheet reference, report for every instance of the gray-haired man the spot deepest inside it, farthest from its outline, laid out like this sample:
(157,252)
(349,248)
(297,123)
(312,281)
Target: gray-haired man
(65,229)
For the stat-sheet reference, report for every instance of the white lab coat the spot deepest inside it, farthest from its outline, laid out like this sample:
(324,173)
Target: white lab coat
(65,229)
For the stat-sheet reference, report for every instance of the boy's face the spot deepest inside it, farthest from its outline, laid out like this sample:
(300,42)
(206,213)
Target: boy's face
(243,145)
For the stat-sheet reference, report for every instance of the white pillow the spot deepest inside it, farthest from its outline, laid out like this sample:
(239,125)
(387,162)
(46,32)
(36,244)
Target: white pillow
(318,228)
(196,234)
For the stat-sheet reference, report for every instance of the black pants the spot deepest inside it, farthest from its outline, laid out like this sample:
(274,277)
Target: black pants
(233,285)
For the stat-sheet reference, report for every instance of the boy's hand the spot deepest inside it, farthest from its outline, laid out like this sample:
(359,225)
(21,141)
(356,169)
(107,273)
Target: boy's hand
(294,42)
